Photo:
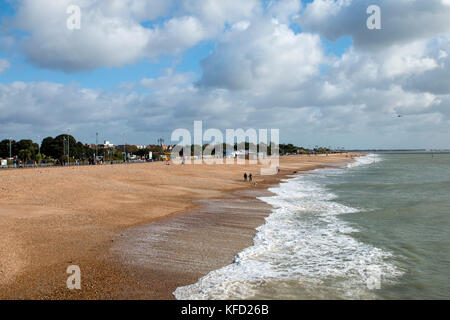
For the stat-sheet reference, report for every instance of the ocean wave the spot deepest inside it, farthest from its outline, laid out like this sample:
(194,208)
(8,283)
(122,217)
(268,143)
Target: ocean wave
(366,160)
(304,246)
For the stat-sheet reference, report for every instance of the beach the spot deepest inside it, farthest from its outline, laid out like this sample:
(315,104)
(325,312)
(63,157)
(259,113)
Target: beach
(137,231)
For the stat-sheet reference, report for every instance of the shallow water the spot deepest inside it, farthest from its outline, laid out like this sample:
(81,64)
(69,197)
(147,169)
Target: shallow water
(378,229)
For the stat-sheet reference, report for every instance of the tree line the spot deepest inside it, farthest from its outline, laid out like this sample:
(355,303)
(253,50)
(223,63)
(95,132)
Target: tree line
(51,148)
(60,147)
(64,146)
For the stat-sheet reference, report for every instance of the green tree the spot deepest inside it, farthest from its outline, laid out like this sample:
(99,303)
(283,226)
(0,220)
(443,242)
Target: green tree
(4,148)
(50,149)
(28,145)
(39,157)
(25,155)
(58,147)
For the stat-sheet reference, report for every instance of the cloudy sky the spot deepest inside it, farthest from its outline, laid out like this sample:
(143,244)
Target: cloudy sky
(146,67)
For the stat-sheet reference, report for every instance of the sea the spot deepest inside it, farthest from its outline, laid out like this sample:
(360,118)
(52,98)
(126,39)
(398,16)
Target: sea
(378,228)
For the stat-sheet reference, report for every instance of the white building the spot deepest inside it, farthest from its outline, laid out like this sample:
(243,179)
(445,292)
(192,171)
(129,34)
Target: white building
(108,144)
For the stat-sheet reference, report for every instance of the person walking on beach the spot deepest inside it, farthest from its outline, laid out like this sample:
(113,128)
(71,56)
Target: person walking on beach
(245,176)
(250,177)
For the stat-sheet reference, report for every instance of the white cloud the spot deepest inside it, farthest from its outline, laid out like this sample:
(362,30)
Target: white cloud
(403,21)
(435,80)
(170,81)
(215,14)
(284,10)
(265,56)
(4,64)
(105,39)
(175,36)
(52,105)
(395,63)
(114,33)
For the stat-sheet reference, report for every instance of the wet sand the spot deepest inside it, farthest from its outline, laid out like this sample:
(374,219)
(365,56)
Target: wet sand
(136,231)
(190,245)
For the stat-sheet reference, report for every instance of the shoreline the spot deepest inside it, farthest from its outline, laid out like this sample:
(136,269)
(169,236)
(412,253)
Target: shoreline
(153,249)
(108,273)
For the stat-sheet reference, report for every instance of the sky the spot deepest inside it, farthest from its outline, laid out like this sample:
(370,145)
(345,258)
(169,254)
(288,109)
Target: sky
(136,70)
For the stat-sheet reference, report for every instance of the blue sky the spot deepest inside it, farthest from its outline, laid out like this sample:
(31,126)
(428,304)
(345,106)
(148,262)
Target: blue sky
(310,68)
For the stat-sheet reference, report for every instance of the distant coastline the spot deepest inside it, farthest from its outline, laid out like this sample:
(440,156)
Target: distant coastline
(401,151)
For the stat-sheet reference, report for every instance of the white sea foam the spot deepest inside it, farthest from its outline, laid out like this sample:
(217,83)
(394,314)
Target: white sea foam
(303,243)
(366,160)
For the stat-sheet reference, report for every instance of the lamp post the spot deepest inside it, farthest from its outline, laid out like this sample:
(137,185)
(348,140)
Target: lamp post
(10,149)
(124,149)
(68,145)
(39,143)
(96,146)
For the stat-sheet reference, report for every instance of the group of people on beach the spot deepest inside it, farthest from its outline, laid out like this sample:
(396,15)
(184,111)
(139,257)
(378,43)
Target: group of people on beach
(248,177)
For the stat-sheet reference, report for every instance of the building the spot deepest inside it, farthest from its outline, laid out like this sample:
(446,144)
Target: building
(108,144)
